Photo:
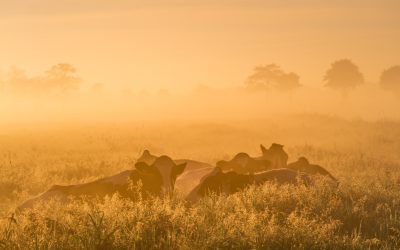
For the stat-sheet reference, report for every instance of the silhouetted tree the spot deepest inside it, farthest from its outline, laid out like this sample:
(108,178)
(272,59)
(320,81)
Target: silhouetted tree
(59,79)
(62,77)
(271,76)
(343,75)
(390,79)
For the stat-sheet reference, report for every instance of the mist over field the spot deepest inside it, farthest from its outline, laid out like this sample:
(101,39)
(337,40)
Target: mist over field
(200,124)
(97,102)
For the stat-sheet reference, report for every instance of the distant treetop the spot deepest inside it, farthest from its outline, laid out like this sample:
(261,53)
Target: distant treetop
(272,77)
(59,79)
(390,79)
(343,75)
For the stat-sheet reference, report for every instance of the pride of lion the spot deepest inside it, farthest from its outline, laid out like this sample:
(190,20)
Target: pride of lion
(160,175)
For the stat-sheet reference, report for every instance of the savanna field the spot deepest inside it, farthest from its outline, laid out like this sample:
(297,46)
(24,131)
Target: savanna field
(199,125)
(362,213)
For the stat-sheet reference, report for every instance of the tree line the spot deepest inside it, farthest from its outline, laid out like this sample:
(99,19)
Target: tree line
(58,79)
(343,75)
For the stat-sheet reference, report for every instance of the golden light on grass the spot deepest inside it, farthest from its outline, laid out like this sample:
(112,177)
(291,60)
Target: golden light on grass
(87,86)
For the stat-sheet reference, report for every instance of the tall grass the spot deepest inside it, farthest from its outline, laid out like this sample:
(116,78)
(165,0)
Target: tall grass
(266,217)
(363,213)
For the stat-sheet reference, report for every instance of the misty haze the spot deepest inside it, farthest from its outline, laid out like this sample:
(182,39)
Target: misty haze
(200,124)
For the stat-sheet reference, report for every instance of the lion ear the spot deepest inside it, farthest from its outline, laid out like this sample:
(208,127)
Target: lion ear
(178,169)
(264,150)
(146,153)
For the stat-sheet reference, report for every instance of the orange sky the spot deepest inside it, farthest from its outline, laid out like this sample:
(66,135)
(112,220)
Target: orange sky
(156,44)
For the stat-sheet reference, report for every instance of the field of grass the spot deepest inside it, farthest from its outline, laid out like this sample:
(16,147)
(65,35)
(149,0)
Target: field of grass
(363,213)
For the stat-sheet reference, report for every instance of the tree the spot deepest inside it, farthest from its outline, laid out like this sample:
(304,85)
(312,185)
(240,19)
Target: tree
(59,79)
(62,77)
(271,76)
(343,75)
(390,79)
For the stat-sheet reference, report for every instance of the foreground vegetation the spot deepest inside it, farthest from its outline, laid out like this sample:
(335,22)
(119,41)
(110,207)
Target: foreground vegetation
(363,213)
(267,217)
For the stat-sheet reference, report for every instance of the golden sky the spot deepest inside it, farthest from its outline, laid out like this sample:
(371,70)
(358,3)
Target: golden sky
(156,44)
